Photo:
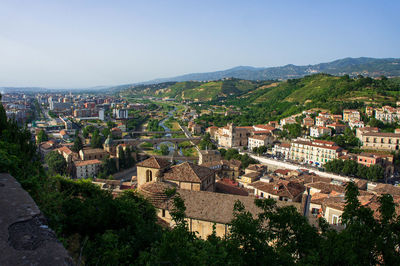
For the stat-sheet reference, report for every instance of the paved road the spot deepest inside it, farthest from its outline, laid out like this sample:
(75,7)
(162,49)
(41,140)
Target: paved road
(294,167)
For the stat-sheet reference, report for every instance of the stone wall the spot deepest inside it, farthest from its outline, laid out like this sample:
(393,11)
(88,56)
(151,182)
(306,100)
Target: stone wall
(25,238)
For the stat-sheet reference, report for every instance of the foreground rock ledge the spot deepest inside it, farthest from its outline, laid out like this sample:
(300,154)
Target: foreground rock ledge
(25,238)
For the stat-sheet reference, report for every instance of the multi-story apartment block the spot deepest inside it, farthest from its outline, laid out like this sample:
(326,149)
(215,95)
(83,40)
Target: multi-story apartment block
(381,141)
(317,132)
(120,113)
(91,154)
(339,128)
(86,169)
(349,114)
(356,124)
(363,130)
(281,150)
(316,152)
(321,121)
(387,114)
(256,141)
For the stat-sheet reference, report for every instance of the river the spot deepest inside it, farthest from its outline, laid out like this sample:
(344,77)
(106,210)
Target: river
(171,147)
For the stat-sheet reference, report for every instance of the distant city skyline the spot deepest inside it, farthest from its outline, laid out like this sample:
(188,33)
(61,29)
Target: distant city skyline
(79,44)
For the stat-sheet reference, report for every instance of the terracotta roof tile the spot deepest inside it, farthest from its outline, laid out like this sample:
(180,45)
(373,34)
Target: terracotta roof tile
(88,162)
(188,172)
(280,188)
(154,162)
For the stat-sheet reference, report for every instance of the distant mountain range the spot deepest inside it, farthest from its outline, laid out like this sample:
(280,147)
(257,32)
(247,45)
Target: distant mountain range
(372,67)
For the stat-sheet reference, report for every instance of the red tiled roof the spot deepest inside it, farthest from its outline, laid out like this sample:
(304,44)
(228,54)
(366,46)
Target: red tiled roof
(188,172)
(280,188)
(154,162)
(265,127)
(88,162)
(65,150)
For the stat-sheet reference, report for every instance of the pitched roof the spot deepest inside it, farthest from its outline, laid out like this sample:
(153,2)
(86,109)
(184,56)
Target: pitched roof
(280,188)
(265,127)
(204,205)
(88,162)
(188,172)
(259,137)
(382,134)
(93,151)
(154,162)
(326,187)
(65,150)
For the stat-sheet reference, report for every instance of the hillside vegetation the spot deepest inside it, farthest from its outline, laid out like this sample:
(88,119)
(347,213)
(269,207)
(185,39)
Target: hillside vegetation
(196,90)
(98,229)
(267,103)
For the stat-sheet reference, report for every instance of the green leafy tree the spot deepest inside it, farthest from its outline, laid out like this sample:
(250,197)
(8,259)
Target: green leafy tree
(105,132)
(129,159)
(375,172)
(121,159)
(108,166)
(95,141)
(164,149)
(42,136)
(56,162)
(78,145)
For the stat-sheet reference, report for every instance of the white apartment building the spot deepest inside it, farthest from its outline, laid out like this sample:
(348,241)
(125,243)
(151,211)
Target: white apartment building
(387,114)
(349,115)
(316,152)
(281,150)
(317,132)
(356,124)
(259,140)
(86,169)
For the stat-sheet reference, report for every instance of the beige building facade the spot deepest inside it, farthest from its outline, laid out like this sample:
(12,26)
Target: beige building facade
(381,141)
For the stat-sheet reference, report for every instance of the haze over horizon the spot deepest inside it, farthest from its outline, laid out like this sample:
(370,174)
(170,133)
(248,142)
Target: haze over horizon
(76,44)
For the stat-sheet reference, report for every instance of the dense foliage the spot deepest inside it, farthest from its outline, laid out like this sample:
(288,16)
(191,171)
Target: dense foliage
(282,99)
(78,144)
(153,125)
(206,143)
(234,154)
(42,136)
(55,162)
(99,229)
(348,140)
(352,168)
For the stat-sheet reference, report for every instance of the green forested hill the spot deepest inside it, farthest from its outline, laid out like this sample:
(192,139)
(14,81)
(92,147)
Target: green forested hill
(196,90)
(334,93)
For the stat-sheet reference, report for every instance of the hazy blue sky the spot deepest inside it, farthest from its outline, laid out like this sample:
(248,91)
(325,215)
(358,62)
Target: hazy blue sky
(87,43)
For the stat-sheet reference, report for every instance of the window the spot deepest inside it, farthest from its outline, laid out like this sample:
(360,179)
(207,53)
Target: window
(335,219)
(163,213)
(149,176)
(262,194)
(314,211)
